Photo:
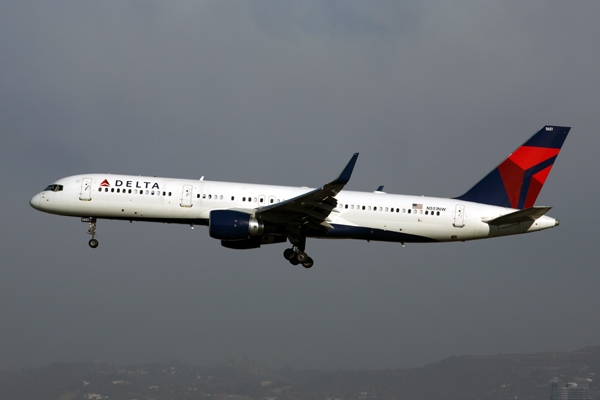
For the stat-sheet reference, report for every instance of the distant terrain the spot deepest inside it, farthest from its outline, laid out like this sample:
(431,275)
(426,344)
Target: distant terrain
(504,376)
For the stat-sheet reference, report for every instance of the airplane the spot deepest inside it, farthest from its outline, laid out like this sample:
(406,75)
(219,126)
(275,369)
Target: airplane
(246,216)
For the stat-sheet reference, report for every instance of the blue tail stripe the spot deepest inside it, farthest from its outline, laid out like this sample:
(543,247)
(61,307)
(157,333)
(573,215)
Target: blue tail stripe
(489,190)
(527,179)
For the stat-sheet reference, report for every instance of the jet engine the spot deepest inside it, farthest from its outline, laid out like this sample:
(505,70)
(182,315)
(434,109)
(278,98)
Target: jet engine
(233,225)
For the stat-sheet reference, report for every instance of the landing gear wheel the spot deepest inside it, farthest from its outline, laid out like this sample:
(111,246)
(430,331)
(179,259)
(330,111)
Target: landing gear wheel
(294,260)
(302,257)
(288,254)
(308,263)
(92,231)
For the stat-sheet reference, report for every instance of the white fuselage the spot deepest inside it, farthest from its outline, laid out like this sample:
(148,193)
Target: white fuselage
(359,215)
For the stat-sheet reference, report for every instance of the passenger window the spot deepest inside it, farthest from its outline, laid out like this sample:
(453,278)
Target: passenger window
(232,198)
(438,213)
(169,193)
(221,197)
(99,189)
(105,190)
(409,210)
(209,197)
(129,191)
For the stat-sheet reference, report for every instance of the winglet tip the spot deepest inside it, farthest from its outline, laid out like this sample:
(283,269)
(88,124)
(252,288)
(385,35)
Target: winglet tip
(347,172)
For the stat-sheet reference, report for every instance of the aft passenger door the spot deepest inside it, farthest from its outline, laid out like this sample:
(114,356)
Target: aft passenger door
(186,196)
(459,216)
(86,189)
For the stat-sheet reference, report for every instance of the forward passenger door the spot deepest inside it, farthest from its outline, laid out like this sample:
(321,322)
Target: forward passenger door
(186,196)
(86,189)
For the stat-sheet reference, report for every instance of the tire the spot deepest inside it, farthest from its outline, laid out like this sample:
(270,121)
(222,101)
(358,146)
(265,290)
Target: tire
(93,243)
(308,263)
(288,254)
(302,257)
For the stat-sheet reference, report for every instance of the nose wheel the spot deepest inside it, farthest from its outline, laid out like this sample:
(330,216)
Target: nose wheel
(296,256)
(91,231)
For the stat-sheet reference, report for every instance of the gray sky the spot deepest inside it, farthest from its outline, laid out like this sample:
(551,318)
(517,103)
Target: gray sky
(432,95)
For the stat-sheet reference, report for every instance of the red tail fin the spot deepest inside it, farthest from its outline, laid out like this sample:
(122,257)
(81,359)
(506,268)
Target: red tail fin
(517,181)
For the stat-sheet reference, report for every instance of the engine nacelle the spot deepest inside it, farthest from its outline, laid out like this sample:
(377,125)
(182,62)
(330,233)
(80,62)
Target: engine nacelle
(253,243)
(233,225)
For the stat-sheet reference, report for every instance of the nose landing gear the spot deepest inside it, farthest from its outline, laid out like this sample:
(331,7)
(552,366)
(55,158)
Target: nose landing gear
(91,231)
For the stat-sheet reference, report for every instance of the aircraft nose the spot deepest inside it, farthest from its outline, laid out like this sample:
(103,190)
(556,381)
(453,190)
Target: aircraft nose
(35,201)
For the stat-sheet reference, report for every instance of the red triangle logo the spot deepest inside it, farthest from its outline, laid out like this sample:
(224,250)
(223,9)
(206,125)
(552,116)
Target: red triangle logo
(105,183)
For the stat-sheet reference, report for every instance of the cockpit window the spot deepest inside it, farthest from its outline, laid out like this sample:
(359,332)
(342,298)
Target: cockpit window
(54,188)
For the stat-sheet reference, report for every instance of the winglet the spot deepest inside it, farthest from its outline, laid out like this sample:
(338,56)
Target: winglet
(346,173)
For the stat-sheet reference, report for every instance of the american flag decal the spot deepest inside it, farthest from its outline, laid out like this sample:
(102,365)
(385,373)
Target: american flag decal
(417,206)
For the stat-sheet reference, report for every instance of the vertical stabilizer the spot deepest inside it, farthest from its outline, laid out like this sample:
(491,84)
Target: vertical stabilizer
(518,180)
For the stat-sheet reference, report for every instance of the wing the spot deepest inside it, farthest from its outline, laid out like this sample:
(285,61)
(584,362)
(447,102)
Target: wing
(528,214)
(309,210)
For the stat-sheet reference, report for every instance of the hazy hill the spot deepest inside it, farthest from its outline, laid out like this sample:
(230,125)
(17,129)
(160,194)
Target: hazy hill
(508,376)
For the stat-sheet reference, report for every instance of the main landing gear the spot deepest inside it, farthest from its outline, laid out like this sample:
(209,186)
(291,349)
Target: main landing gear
(92,231)
(296,256)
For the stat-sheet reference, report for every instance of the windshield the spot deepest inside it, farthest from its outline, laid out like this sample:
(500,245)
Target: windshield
(54,188)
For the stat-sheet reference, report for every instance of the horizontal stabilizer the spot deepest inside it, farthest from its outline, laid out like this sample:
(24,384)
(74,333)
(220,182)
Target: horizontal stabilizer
(525,215)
